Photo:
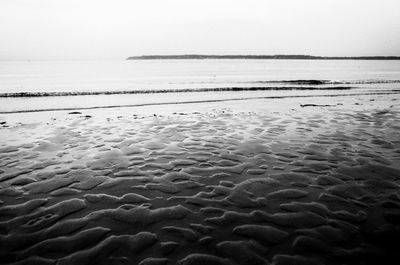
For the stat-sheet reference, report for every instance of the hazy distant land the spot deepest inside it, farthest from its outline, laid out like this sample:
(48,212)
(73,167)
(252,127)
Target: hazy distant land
(275,57)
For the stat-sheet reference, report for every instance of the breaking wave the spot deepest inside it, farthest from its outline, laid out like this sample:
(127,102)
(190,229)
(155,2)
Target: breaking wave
(329,82)
(160,91)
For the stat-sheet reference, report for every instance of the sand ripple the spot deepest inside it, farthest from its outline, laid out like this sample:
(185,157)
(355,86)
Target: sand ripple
(206,188)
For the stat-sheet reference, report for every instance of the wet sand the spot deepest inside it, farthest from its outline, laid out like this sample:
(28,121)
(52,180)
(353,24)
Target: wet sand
(263,181)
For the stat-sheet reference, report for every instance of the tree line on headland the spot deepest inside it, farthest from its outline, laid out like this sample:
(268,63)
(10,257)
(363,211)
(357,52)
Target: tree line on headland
(275,57)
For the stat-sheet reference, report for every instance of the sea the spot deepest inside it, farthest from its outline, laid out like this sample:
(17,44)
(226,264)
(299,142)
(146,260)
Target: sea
(28,86)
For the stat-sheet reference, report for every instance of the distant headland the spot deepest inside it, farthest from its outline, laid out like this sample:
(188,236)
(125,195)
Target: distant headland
(272,57)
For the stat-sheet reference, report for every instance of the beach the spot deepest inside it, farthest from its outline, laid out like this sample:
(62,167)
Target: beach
(183,132)
(291,180)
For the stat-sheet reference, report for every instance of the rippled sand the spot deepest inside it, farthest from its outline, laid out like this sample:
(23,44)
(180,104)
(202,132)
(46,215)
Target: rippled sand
(288,181)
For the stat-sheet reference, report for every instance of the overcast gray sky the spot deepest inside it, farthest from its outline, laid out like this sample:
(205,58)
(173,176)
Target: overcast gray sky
(90,29)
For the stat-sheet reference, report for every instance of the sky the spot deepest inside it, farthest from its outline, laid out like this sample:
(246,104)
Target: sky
(112,29)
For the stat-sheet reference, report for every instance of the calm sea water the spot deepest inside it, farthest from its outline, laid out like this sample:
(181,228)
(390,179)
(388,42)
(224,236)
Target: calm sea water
(84,76)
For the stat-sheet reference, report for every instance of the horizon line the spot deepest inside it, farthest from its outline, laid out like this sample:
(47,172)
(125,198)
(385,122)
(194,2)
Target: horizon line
(262,56)
(212,56)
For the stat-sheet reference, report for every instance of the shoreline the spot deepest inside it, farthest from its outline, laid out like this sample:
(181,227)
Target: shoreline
(200,101)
